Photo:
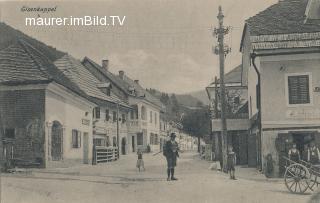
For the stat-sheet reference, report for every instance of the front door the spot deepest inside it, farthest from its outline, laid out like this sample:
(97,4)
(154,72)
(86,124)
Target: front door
(85,148)
(56,141)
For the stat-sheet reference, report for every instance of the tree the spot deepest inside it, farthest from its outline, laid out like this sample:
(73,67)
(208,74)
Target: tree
(175,105)
(197,123)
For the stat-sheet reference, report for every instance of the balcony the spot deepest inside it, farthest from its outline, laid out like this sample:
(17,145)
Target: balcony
(136,125)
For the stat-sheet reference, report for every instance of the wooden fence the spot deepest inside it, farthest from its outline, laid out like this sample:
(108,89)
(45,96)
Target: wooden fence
(103,154)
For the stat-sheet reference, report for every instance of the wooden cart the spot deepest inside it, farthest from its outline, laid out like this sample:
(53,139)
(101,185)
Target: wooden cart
(299,177)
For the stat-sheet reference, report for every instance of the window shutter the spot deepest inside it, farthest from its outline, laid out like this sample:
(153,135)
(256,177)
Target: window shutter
(298,87)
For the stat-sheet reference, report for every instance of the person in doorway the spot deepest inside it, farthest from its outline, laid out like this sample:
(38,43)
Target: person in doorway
(231,162)
(170,151)
(294,154)
(140,163)
(313,154)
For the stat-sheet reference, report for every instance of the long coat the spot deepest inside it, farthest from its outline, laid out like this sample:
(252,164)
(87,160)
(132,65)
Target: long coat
(170,151)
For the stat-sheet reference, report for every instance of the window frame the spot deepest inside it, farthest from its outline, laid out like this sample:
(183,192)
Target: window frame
(310,88)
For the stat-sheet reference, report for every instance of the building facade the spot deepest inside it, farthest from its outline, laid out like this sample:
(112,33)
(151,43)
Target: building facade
(280,62)
(46,119)
(110,115)
(144,118)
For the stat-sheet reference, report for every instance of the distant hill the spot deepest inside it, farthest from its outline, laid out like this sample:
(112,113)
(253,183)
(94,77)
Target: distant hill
(188,100)
(193,98)
(10,36)
(201,95)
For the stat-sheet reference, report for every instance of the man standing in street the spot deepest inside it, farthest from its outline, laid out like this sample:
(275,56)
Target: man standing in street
(170,151)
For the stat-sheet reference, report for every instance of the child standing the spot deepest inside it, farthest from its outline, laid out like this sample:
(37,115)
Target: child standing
(140,163)
(231,162)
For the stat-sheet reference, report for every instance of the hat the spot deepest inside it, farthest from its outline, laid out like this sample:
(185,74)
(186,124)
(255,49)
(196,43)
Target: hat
(172,135)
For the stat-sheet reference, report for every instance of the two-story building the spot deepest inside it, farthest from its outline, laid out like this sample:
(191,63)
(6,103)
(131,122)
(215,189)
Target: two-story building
(281,55)
(237,118)
(46,119)
(110,115)
(144,118)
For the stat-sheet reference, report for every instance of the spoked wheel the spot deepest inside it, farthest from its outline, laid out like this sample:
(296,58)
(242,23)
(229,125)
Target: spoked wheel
(313,181)
(297,178)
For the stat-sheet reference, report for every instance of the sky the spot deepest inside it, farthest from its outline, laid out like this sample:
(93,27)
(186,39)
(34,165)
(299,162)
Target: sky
(165,44)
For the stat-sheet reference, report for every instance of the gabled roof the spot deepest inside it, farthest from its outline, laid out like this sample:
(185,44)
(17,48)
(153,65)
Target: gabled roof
(124,84)
(21,63)
(140,92)
(285,17)
(232,77)
(77,73)
(11,36)
(113,78)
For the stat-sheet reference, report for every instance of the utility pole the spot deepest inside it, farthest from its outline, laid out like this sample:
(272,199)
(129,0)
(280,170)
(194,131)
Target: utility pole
(222,51)
(216,116)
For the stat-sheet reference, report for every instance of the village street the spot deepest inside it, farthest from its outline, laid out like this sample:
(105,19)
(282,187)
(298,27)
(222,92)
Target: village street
(120,182)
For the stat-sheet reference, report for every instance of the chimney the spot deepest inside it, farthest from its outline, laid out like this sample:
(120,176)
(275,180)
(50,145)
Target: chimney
(121,74)
(105,64)
(136,81)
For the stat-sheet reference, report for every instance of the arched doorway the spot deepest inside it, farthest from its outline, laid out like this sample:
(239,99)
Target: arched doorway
(123,145)
(56,141)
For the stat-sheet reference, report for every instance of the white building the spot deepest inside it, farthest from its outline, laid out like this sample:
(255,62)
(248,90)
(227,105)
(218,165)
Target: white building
(144,120)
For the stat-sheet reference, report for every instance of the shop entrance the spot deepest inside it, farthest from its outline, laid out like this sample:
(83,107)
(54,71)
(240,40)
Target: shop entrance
(302,140)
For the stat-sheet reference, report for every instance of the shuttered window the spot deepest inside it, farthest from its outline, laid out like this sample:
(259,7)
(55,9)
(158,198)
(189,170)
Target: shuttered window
(298,89)
(76,139)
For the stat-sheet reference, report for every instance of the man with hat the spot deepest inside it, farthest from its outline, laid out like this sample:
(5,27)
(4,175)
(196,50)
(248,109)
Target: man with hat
(170,151)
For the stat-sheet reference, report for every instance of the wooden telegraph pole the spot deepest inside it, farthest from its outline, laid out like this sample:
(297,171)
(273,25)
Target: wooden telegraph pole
(222,51)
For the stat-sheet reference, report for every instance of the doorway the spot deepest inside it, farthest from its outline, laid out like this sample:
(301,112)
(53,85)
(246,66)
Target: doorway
(133,144)
(123,145)
(302,141)
(56,141)
(85,148)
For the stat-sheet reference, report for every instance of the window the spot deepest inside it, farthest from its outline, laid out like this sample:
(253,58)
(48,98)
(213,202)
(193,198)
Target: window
(298,89)
(151,139)
(76,139)
(150,116)
(114,116)
(155,118)
(96,112)
(107,115)
(97,142)
(143,113)
(9,133)
(132,114)
(156,140)
(123,116)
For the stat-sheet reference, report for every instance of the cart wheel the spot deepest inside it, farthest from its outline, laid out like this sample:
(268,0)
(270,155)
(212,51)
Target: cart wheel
(313,181)
(297,178)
